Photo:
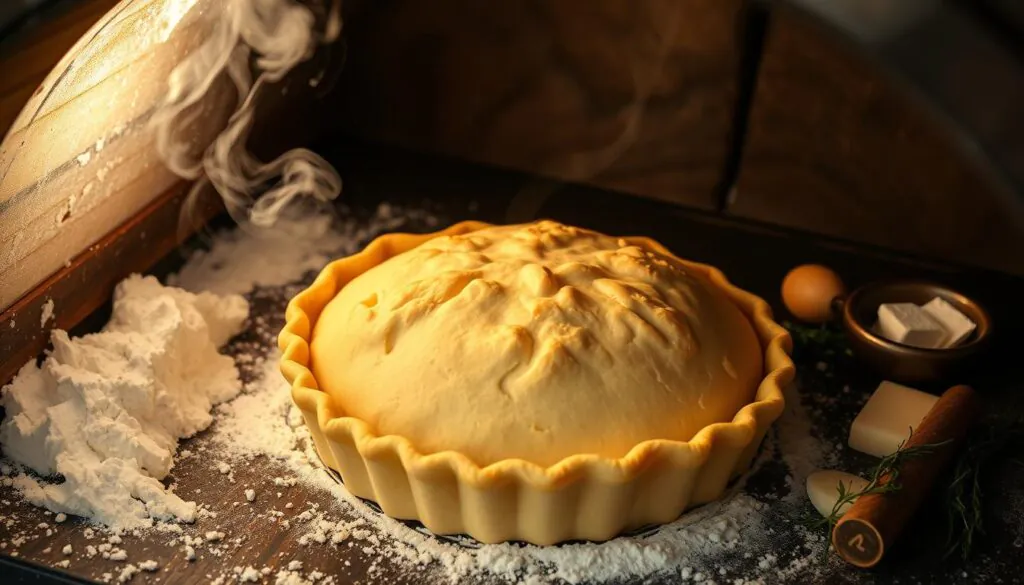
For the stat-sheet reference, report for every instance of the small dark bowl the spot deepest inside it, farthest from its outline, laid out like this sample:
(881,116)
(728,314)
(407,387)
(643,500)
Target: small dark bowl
(905,363)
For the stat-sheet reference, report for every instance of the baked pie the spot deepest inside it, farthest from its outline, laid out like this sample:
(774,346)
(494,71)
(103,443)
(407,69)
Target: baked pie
(535,382)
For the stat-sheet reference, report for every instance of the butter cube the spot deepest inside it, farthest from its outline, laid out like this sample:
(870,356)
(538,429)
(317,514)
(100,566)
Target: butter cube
(958,326)
(909,324)
(888,418)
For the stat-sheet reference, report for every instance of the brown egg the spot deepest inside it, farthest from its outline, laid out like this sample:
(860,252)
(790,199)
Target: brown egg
(808,291)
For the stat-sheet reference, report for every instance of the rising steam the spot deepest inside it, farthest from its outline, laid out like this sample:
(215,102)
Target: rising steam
(588,164)
(271,37)
(268,37)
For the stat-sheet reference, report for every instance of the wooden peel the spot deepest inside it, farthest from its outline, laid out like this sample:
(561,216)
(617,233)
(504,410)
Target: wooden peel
(866,531)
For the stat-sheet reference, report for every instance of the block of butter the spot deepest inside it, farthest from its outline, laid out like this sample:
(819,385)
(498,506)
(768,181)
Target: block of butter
(909,324)
(888,418)
(957,325)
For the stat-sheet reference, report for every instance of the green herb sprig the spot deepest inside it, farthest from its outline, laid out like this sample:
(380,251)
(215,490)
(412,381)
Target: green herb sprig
(825,340)
(964,496)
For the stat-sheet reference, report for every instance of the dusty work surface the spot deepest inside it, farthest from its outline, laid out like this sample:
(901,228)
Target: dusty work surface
(273,516)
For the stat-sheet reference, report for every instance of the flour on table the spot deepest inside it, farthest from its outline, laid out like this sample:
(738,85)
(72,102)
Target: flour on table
(701,546)
(47,313)
(154,348)
(241,261)
(106,410)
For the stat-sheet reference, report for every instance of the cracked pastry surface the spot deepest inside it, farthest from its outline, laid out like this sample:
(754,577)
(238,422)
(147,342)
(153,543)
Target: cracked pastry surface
(535,342)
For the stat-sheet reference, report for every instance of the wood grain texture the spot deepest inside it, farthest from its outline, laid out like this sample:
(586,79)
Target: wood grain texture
(86,283)
(60,195)
(27,59)
(837,148)
(633,95)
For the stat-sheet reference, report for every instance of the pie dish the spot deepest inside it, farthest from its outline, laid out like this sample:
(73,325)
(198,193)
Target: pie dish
(536,382)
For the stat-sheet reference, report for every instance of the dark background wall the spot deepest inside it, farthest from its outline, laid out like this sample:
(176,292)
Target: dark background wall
(634,95)
(823,138)
(870,143)
(746,108)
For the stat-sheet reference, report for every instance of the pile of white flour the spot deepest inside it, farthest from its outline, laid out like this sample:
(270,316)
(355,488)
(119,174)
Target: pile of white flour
(105,412)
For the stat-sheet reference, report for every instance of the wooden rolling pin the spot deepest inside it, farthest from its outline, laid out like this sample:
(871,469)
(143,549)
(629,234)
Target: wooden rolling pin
(874,522)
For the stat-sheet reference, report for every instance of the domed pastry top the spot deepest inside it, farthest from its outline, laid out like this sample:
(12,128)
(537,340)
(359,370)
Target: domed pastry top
(536,342)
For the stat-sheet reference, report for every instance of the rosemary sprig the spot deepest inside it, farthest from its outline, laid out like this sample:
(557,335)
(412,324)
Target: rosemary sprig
(964,496)
(884,479)
(825,340)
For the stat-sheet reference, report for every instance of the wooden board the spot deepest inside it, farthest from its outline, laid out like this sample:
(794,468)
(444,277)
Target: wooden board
(58,197)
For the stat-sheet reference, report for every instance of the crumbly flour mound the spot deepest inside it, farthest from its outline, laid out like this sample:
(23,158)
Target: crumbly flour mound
(106,410)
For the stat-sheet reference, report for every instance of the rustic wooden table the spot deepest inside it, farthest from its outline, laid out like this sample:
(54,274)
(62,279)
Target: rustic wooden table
(755,256)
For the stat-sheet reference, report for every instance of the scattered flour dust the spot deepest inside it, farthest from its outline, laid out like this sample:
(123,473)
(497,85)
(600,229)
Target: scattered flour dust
(282,257)
(105,411)
(697,547)
(241,261)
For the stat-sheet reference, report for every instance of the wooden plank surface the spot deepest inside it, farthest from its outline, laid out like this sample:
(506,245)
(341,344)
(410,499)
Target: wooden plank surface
(631,95)
(86,282)
(838,148)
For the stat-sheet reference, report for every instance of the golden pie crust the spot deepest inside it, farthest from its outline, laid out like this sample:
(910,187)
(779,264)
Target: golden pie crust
(575,496)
